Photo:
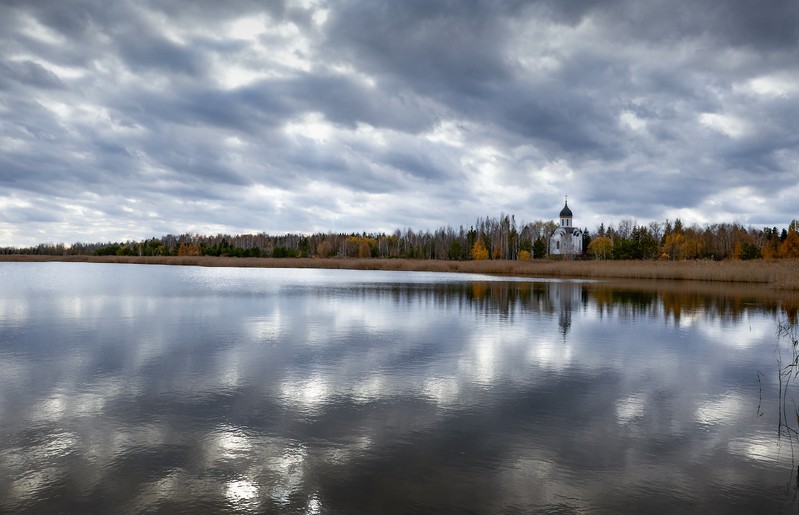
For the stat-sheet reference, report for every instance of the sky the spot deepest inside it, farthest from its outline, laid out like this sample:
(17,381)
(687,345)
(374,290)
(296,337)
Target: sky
(133,119)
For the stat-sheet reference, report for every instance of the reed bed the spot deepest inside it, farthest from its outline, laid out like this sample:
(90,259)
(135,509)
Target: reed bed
(778,274)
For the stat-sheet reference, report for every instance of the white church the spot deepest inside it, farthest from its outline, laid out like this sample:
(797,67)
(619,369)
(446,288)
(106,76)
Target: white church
(566,240)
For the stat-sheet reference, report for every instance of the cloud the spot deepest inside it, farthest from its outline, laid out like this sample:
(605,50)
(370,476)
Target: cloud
(527,402)
(633,109)
(30,73)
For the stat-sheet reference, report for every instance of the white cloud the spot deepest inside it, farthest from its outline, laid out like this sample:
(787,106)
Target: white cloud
(726,124)
(385,118)
(774,85)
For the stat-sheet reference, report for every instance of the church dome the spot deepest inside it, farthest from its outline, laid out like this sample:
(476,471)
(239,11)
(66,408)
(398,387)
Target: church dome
(566,212)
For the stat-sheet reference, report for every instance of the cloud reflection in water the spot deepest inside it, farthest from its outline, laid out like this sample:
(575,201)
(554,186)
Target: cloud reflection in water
(270,391)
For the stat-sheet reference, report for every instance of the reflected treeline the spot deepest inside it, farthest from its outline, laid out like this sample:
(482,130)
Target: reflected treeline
(503,298)
(235,391)
(676,301)
(507,299)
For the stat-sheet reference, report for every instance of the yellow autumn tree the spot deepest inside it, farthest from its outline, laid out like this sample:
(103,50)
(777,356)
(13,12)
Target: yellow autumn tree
(360,246)
(672,245)
(524,255)
(790,247)
(691,248)
(600,247)
(479,250)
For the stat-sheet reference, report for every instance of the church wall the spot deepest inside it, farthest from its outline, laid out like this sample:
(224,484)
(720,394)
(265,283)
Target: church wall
(566,240)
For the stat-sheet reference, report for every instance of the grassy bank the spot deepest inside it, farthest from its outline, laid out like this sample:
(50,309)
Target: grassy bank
(779,274)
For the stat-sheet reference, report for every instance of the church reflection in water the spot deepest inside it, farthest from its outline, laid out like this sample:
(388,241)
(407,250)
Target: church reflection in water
(316,392)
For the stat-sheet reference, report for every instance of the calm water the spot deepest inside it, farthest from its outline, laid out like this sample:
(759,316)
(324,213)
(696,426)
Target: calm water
(130,389)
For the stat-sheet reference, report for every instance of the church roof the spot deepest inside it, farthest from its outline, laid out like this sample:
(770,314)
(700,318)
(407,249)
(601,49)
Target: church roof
(566,212)
(575,231)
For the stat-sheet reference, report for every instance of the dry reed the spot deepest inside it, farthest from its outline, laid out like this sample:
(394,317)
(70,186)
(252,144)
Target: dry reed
(778,274)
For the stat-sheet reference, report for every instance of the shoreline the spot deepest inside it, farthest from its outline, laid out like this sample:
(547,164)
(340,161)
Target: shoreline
(778,274)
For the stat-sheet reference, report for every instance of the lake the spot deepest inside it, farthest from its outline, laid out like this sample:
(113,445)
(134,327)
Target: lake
(135,388)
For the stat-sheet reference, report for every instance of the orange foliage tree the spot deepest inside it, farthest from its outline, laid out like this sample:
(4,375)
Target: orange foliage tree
(324,249)
(361,246)
(189,250)
(790,247)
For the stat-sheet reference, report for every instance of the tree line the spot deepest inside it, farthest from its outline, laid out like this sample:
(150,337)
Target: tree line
(489,237)
(673,241)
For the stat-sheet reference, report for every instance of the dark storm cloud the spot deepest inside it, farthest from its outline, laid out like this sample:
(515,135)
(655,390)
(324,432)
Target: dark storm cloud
(407,112)
(774,132)
(419,164)
(428,43)
(346,102)
(206,11)
(29,73)
(457,55)
(763,26)
(307,154)
(152,52)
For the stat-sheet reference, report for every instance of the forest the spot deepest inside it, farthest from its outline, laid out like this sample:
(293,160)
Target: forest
(497,238)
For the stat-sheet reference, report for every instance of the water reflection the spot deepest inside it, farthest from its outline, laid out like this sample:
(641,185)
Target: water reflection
(214,390)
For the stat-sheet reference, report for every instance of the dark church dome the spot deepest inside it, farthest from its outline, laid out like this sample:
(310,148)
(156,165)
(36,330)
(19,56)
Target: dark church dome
(566,212)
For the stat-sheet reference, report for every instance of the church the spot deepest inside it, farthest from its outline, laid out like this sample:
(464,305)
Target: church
(566,240)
